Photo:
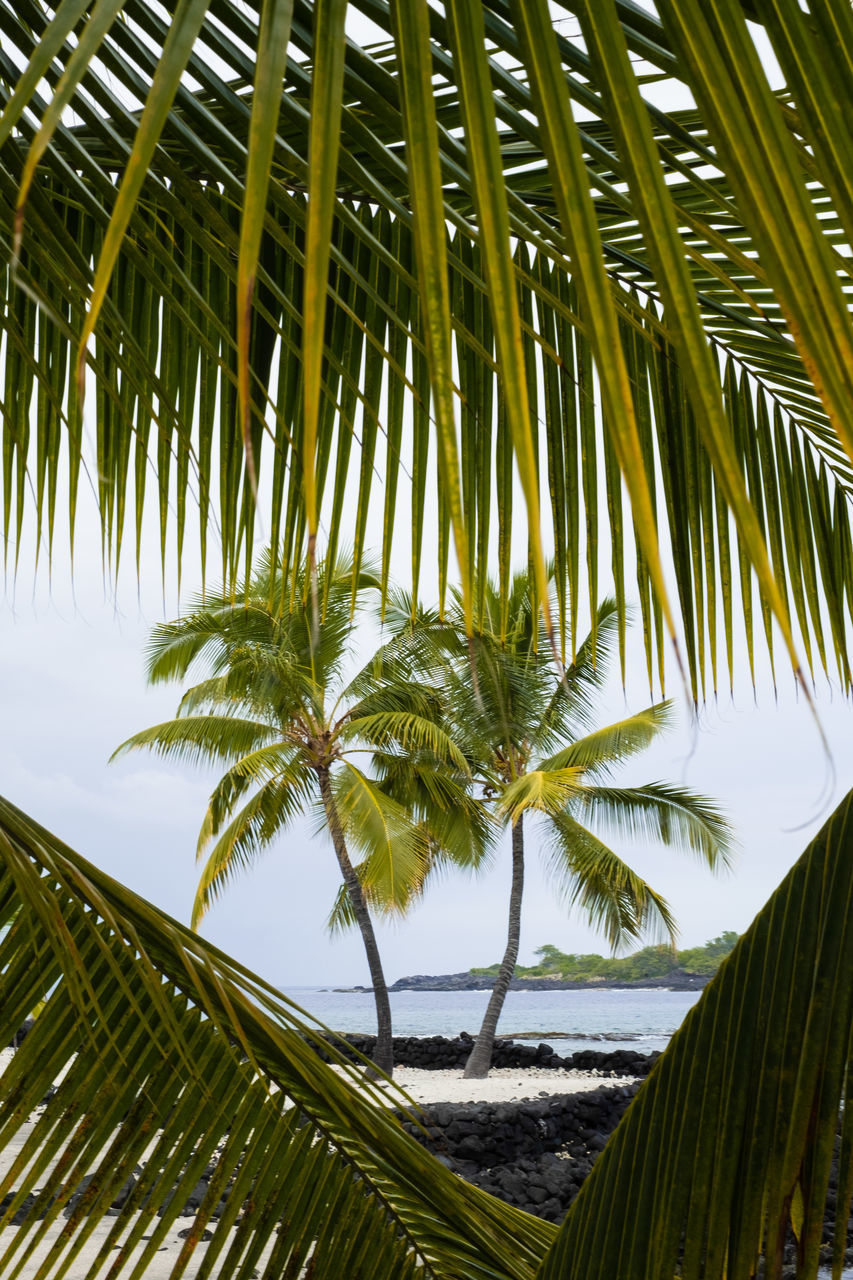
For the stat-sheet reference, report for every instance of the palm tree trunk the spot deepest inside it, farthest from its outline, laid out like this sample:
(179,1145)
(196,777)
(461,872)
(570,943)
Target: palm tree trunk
(383,1054)
(478,1064)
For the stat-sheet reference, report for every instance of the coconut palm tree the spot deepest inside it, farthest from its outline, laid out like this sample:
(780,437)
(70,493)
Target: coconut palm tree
(526,727)
(639,214)
(280,710)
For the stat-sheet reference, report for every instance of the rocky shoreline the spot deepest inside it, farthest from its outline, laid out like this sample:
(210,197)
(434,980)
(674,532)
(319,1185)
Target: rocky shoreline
(443,1053)
(675,980)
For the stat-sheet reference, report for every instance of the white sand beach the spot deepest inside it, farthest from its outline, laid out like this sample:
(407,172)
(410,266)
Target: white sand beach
(505,1084)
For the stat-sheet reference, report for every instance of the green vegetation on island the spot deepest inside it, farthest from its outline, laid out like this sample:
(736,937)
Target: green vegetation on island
(648,962)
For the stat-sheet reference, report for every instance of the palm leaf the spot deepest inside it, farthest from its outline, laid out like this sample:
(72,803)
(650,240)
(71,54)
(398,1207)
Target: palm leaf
(407,730)
(277,763)
(659,811)
(200,739)
(613,743)
(548,790)
(573,704)
(739,199)
(396,846)
(245,834)
(589,874)
(731,1138)
(157,1030)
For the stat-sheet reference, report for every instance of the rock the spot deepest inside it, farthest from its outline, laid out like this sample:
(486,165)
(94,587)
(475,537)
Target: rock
(83,1185)
(187,1231)
(21,1034)
(675,980)
(24,1211)
(437,1053)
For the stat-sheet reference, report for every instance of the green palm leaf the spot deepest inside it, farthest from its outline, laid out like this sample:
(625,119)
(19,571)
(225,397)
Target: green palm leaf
(731,1137)
(548,790)
(613,743)
(198,739)
(412,733)
(397,848)
(672,287)
(243,834)
(588,874)
(659,811)
(279,763)
(178,1057)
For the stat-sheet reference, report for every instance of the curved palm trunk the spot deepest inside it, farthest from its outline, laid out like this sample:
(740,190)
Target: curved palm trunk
(383,1054)
(478,1064)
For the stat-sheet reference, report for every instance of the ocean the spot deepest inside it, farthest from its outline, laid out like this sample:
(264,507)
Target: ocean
(574,1020)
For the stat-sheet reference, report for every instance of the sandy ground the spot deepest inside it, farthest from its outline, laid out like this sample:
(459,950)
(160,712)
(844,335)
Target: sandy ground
(505,1084)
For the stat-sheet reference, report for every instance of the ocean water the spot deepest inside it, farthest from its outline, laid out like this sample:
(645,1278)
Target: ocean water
(572,1020)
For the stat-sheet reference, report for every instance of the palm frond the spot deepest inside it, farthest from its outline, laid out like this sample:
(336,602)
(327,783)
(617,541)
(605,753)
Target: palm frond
(397,847)
(177,1059)
(248,834)
(456,820)
(613,743)
(728,1146)
(573,704)
(590,875)
(201,739)
(546,790)
(722,390)
(199,638)
(383,687)
(406,729)
(279,763)
(660,811)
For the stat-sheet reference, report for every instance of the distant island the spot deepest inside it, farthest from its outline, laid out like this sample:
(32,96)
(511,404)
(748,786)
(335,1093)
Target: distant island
(659,966)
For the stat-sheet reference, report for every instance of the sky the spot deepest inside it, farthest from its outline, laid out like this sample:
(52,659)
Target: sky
(72,687)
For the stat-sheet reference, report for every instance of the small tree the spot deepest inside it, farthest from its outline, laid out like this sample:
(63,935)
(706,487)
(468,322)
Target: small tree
(277,710)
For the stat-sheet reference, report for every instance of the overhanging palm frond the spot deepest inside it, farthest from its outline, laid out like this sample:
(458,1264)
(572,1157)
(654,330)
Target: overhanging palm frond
(729,1145)
(177,1059)
(719,383)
